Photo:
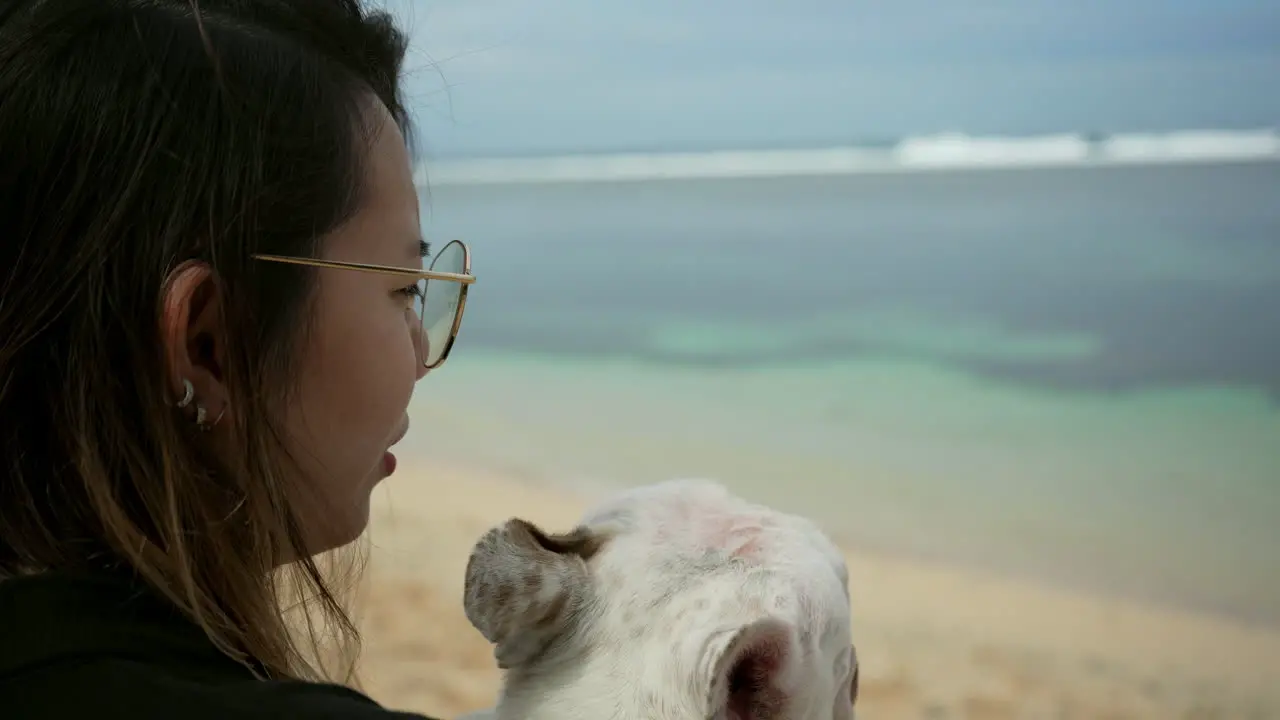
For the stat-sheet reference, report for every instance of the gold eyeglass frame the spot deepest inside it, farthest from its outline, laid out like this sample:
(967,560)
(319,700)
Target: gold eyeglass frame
(465,278)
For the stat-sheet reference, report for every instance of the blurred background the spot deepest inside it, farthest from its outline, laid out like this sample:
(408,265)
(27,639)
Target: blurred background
(994,285)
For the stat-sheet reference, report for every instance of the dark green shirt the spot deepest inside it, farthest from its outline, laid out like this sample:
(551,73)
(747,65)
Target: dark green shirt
(95,646)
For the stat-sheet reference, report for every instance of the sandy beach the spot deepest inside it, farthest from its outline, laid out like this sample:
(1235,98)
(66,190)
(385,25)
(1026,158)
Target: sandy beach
(934,641)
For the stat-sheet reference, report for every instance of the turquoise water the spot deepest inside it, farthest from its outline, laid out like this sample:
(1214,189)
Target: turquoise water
(1067,374)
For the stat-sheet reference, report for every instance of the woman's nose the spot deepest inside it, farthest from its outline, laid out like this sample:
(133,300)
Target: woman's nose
(422,346)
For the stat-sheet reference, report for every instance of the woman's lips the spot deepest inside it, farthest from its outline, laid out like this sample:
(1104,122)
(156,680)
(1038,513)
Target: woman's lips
(389,460)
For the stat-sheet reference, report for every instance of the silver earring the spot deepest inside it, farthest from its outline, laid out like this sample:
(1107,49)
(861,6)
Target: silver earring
(188,393)
(202,415)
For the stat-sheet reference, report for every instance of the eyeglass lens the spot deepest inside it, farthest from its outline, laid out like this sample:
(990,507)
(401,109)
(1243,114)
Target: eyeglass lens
(438,303)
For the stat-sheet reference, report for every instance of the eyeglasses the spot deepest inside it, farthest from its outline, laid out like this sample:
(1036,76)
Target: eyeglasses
(441,294)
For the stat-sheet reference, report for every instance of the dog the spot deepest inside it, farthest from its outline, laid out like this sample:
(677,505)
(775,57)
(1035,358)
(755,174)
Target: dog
(673,601)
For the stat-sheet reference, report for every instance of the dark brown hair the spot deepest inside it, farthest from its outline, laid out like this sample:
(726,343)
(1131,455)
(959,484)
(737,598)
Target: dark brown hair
(136,135)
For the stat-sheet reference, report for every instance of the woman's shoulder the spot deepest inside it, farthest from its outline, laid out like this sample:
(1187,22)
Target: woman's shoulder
(140,690)
(88,646)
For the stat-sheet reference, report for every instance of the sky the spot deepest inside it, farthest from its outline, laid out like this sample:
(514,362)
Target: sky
(504,77)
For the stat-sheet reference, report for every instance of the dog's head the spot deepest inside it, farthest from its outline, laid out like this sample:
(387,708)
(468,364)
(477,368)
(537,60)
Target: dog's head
(675,600)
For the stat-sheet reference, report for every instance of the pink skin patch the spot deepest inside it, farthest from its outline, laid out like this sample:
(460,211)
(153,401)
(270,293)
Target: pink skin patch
(739,537)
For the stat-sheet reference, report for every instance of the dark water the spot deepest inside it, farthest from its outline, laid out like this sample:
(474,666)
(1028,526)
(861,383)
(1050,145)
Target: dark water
(1172,273)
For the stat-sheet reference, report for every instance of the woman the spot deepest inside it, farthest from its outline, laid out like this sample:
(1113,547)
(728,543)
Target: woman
(210,328)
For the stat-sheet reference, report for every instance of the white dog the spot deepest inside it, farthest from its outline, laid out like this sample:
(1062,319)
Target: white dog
(675,601)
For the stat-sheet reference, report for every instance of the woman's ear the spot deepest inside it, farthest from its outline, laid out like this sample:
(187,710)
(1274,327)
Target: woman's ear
(194,345)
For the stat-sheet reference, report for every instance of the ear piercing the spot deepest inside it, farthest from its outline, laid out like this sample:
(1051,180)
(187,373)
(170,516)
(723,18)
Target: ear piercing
(188,393)
(202,415)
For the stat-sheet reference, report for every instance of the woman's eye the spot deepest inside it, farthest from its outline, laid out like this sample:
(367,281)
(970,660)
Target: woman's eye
(411,293)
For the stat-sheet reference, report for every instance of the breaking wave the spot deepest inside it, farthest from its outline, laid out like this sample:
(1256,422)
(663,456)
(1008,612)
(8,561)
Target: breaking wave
(947,151)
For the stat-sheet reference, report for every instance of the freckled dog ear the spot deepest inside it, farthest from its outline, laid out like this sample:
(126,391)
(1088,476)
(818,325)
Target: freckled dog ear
(524,587)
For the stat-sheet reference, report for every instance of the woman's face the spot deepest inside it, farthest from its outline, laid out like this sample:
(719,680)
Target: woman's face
(359,363)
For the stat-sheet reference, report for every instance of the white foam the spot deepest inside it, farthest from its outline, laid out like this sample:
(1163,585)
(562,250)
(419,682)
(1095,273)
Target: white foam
(963,151)
(1193,145)
(947,151)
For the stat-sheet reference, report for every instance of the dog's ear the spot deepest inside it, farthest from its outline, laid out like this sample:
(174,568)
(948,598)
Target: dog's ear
(853,683)
(845,705)
(524,587)
(749,673)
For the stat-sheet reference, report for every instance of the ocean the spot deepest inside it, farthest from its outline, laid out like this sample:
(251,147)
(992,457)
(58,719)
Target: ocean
(1064,372)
